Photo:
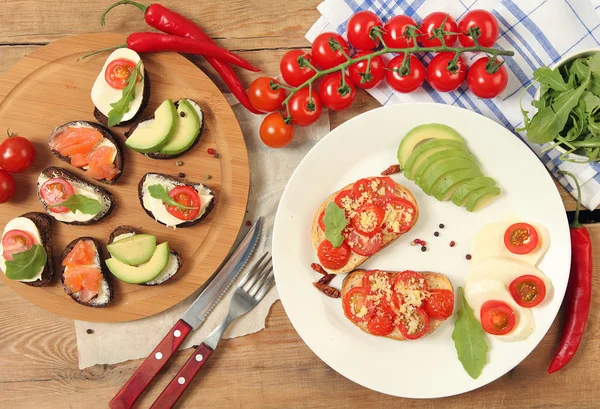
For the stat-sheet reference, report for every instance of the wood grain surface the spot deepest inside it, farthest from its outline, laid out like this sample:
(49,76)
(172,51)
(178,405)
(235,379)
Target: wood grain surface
(273,368)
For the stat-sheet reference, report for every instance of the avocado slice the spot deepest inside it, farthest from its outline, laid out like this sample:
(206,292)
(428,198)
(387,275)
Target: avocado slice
(459,197)
(188,129)
(152,134)
(144,272)
(443,189)
(437,157)
(482,198)
(422,133)
(133,250)
(426,149)
(442,168)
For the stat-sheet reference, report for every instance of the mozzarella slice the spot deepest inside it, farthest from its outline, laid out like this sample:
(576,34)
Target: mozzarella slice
(505,270)
(25,224)
(489,242)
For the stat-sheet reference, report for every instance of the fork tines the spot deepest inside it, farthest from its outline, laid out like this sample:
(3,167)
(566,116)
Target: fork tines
(260,279)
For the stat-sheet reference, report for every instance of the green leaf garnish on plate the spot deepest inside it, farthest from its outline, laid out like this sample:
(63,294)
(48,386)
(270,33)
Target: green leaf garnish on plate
(82,203)
(26,264)
(160,192)
(121,107)
(335,222)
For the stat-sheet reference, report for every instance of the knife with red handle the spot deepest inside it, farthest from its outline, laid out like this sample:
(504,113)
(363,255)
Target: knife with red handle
(191,320)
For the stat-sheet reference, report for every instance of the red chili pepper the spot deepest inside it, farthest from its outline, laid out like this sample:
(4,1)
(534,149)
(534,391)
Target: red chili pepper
(170,22)
(579,290)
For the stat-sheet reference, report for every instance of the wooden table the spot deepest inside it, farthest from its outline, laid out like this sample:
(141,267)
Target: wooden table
(273,368)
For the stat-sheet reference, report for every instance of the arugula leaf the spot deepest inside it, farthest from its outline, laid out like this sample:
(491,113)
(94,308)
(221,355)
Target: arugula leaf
(591,101)
(82,203)
(469,338)
(552,78)
(594,63)
(335,222)
(121,107)
(26,264)
(160,192)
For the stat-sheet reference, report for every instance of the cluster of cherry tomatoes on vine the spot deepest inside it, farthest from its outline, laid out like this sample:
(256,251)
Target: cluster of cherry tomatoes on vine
(300,99)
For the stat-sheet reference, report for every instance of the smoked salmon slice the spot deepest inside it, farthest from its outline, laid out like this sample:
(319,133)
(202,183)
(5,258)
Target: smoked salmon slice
(82,254)
(80,274)
(74,140)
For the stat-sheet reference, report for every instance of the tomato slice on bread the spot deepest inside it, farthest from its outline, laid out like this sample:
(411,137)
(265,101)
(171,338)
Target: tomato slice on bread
(414,323)
(439,304)
(410,281)
(355,304)
(118,72)
(16,241)
(497,317)
(333,257)
(521,238)
(364,245)
(527,290)
(402,212)
(343,199)
(55,191)
(380,189)
(188,197)
(321,220)
(381,323)
(368,219)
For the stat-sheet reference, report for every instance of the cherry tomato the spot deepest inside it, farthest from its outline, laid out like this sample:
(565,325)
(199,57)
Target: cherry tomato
(335,96)
(55,191)
(521,238)
(263,97)
(483,84)
(414,323)
(274,132)
(368,218)
(433,21)
(394,32)
(405,214)
(440,304)
(372,187)
(410,281)
(16,154)
(118,72)
(305,110)
(497,317)
(290,68)
(381,324)
(442,79)
(321,222)
(488,28)
(16,241)
(186,196)
(528,290)
(376,282)
(339,198)
(8,186)
(363,245)
(360,30)
(409,82)
(355,304)
(358,71)
(326,57)
(331,257)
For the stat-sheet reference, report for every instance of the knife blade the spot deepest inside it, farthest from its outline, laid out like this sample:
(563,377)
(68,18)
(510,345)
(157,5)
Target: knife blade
(210,296)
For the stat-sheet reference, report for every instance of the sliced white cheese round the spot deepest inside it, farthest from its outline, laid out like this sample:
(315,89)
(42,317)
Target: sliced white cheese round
(169,271)
(25,224)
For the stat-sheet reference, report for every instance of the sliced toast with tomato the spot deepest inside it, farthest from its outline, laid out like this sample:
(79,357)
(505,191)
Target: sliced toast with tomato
(76,274)
(411,295)
(400,215)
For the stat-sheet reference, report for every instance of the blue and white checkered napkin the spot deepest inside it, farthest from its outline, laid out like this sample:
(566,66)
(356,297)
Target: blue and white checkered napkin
(539,31)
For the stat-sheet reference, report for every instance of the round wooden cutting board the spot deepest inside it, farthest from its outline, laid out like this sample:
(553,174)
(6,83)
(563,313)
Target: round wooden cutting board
(49,88)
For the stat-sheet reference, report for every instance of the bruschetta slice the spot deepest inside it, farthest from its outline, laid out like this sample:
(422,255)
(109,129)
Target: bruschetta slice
(26,249)
(83,274)
(90,147)
(403,305)
(72,200)
(359,220)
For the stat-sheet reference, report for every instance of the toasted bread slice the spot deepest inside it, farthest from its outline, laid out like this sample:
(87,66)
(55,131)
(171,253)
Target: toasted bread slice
(169,182)
(105,294)
(158,155)
(104,196)
(119,159)
(103,119)
(173,266)
(434,280)
(318,235)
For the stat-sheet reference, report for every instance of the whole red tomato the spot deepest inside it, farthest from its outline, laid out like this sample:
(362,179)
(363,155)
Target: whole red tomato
(305,108)
(440,77)
(323,55)
(394,32)
(360,30)
(359,75)
(433,21)
(487,24)
(7,186)
(16,154)
(334,95)
(262,95)
(482,83)
(408,82)
(275,132)
(290,68)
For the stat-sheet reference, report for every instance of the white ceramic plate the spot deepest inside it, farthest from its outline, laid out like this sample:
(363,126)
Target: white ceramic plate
(364,146)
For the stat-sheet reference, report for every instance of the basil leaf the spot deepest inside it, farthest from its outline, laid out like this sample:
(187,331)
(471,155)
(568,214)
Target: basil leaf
(160,192)
(335,222)
(26,264)
(121,107)
(82,203)
(552,78)
(469,338)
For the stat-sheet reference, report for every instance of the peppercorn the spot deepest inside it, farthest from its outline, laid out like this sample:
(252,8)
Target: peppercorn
(468,257)
(89,331)
(423,248)
(452,243)
(423,243)
(179,163)
(182,114)
(181,174)
(436,234)
(210,151)
(248,223)
(441,226)
(216,156)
